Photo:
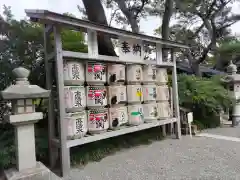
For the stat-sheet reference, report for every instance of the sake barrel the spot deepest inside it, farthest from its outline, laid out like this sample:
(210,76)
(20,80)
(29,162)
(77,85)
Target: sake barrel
(73,73)
(135,114)
(96,96)
(96,73)
(134,93)
(162,76)
(150,112)
(134,73)
(116,74)
(117,116)
(163,93)
(164,110)
(117,94)
(98,120)
(149,92)
(75,98)
(149,74)
(77,124)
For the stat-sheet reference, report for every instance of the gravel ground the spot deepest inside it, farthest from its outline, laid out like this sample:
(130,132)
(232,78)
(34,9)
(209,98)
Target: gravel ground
(226,131)
(199,158)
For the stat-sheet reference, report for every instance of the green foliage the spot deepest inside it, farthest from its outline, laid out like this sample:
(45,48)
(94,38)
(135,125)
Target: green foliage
(7,148)
(231,49)
(205,97)
(21,44)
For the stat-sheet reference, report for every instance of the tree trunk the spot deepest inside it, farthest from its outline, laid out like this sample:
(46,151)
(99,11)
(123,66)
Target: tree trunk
(95,13)
(166,24)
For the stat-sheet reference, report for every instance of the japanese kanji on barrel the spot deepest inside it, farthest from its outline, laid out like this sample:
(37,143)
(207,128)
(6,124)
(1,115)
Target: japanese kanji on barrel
(117,94)
(149,74)
(118,116)
(163,96)
(96,73)
(73,73)
(116,74)
(135,114)
(75,99)
(98,120)
(96,96)
(77,124)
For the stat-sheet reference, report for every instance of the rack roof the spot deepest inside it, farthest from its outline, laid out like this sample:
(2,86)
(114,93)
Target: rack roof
(48,17)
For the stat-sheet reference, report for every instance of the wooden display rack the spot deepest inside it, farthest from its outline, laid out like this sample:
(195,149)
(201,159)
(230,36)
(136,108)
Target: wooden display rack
(53,23)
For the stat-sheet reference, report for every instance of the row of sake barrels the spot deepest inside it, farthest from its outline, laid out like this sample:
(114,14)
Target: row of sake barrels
(78,97)
(99,120)
(75,73)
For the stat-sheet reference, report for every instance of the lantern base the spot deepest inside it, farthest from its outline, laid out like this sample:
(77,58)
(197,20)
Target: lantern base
(235,120)
(40,172)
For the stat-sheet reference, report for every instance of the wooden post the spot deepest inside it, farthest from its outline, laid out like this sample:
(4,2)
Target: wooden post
(65,152)
(92,43)
(175,95)
(159,60)
(53,151)
(171,125)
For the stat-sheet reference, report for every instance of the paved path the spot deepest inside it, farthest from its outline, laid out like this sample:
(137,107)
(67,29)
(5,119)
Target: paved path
(200,158)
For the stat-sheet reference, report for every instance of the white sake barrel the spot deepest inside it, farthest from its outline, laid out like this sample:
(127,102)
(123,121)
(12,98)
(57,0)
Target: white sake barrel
(77,124)
(73,73)
(163,93)
(162,76)
(117,94)
(135,114)
(150,112)
(149,92)
(96,73)
(75,98)
(96,96)
(164,110)
(134,73)
(117,116)
(116,74)
(134,94)
(149,74)
(98,120)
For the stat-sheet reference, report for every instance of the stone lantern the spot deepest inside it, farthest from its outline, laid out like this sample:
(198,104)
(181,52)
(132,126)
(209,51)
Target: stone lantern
(233,80)
(23,118)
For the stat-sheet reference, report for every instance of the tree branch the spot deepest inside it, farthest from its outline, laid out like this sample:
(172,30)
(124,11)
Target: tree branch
(129,15)
(211,45)
(112,16)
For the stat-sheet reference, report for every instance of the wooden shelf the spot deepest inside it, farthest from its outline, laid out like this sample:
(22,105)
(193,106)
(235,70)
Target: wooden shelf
(110,59)
(114,133)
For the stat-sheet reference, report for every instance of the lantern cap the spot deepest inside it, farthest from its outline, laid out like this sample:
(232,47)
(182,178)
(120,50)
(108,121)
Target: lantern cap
(22,89)
(232,68)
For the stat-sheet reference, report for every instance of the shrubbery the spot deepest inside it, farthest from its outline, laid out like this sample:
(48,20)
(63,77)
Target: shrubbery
(205,97)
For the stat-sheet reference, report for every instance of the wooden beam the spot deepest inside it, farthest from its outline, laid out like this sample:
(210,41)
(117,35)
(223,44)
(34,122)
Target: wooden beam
(55,18)
(65,152)
(51,114)
(175,95)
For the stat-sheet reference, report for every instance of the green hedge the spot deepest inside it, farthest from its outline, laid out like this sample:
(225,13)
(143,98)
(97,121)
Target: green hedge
(204,96)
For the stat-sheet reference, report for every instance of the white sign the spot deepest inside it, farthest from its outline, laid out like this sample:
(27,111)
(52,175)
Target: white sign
(130,50)
(190,120)
(190,117)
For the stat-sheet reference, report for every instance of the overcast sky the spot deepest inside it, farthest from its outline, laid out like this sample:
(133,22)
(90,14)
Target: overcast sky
(62,6)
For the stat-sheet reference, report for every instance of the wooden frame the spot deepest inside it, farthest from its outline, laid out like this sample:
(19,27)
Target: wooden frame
(53,23)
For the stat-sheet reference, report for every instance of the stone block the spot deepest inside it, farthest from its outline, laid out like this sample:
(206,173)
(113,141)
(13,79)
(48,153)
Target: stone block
(40,172)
